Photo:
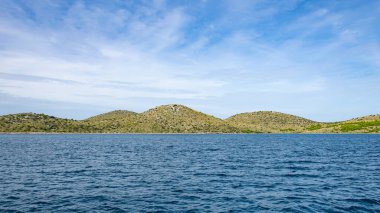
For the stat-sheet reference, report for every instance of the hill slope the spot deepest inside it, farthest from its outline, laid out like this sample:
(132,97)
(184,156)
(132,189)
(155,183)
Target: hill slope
(116,114)
(269,121)
(366,124)
(118,121)
(172,118)
(176,118)
(32,122)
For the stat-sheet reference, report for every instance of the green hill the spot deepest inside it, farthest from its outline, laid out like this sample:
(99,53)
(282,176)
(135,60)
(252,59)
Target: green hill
(172,118)
(116,114)
(269,122)
(175,118)
(32,122)
(366,124)
(118,121)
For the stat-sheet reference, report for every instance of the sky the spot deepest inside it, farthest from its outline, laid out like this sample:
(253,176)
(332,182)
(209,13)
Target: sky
(75,59)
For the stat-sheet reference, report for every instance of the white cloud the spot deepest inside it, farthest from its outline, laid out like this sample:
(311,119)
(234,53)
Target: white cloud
(153,53)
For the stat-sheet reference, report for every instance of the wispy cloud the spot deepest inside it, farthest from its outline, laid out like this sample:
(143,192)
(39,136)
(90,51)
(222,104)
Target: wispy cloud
(220,57)
(33,78)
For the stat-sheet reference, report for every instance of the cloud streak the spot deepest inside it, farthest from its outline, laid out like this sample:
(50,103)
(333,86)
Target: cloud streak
(137,55)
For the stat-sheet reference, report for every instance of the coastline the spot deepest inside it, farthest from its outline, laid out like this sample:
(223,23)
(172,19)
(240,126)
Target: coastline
(180,119)
(205,133)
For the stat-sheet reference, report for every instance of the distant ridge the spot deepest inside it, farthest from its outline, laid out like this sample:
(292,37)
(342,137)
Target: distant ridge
(176,118)
(116,114)
(366,118)
(269,121)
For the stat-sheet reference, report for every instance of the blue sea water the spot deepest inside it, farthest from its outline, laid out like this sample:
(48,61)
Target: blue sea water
(197,173)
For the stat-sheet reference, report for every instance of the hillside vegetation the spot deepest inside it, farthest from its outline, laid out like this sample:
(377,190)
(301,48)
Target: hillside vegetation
(172,118)
(175,118)
(366,124)
(32,122)
(116,114)
(270,122)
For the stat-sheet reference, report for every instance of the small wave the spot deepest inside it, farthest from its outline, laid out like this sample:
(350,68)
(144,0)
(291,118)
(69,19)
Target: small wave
(295,175)
(364,201)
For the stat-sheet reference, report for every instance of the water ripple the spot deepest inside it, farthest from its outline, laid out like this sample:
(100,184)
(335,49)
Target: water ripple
(196,173)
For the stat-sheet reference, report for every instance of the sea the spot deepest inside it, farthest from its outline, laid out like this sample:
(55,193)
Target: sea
(189,173)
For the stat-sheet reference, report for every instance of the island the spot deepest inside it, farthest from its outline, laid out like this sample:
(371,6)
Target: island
(176,118)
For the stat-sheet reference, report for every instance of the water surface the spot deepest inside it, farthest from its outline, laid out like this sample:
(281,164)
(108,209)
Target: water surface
(200,173)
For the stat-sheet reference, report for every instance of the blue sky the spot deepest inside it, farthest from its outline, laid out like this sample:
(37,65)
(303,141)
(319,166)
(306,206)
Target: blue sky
(316,59)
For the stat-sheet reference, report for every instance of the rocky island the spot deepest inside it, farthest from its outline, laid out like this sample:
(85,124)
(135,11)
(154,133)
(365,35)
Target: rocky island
(175,118)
